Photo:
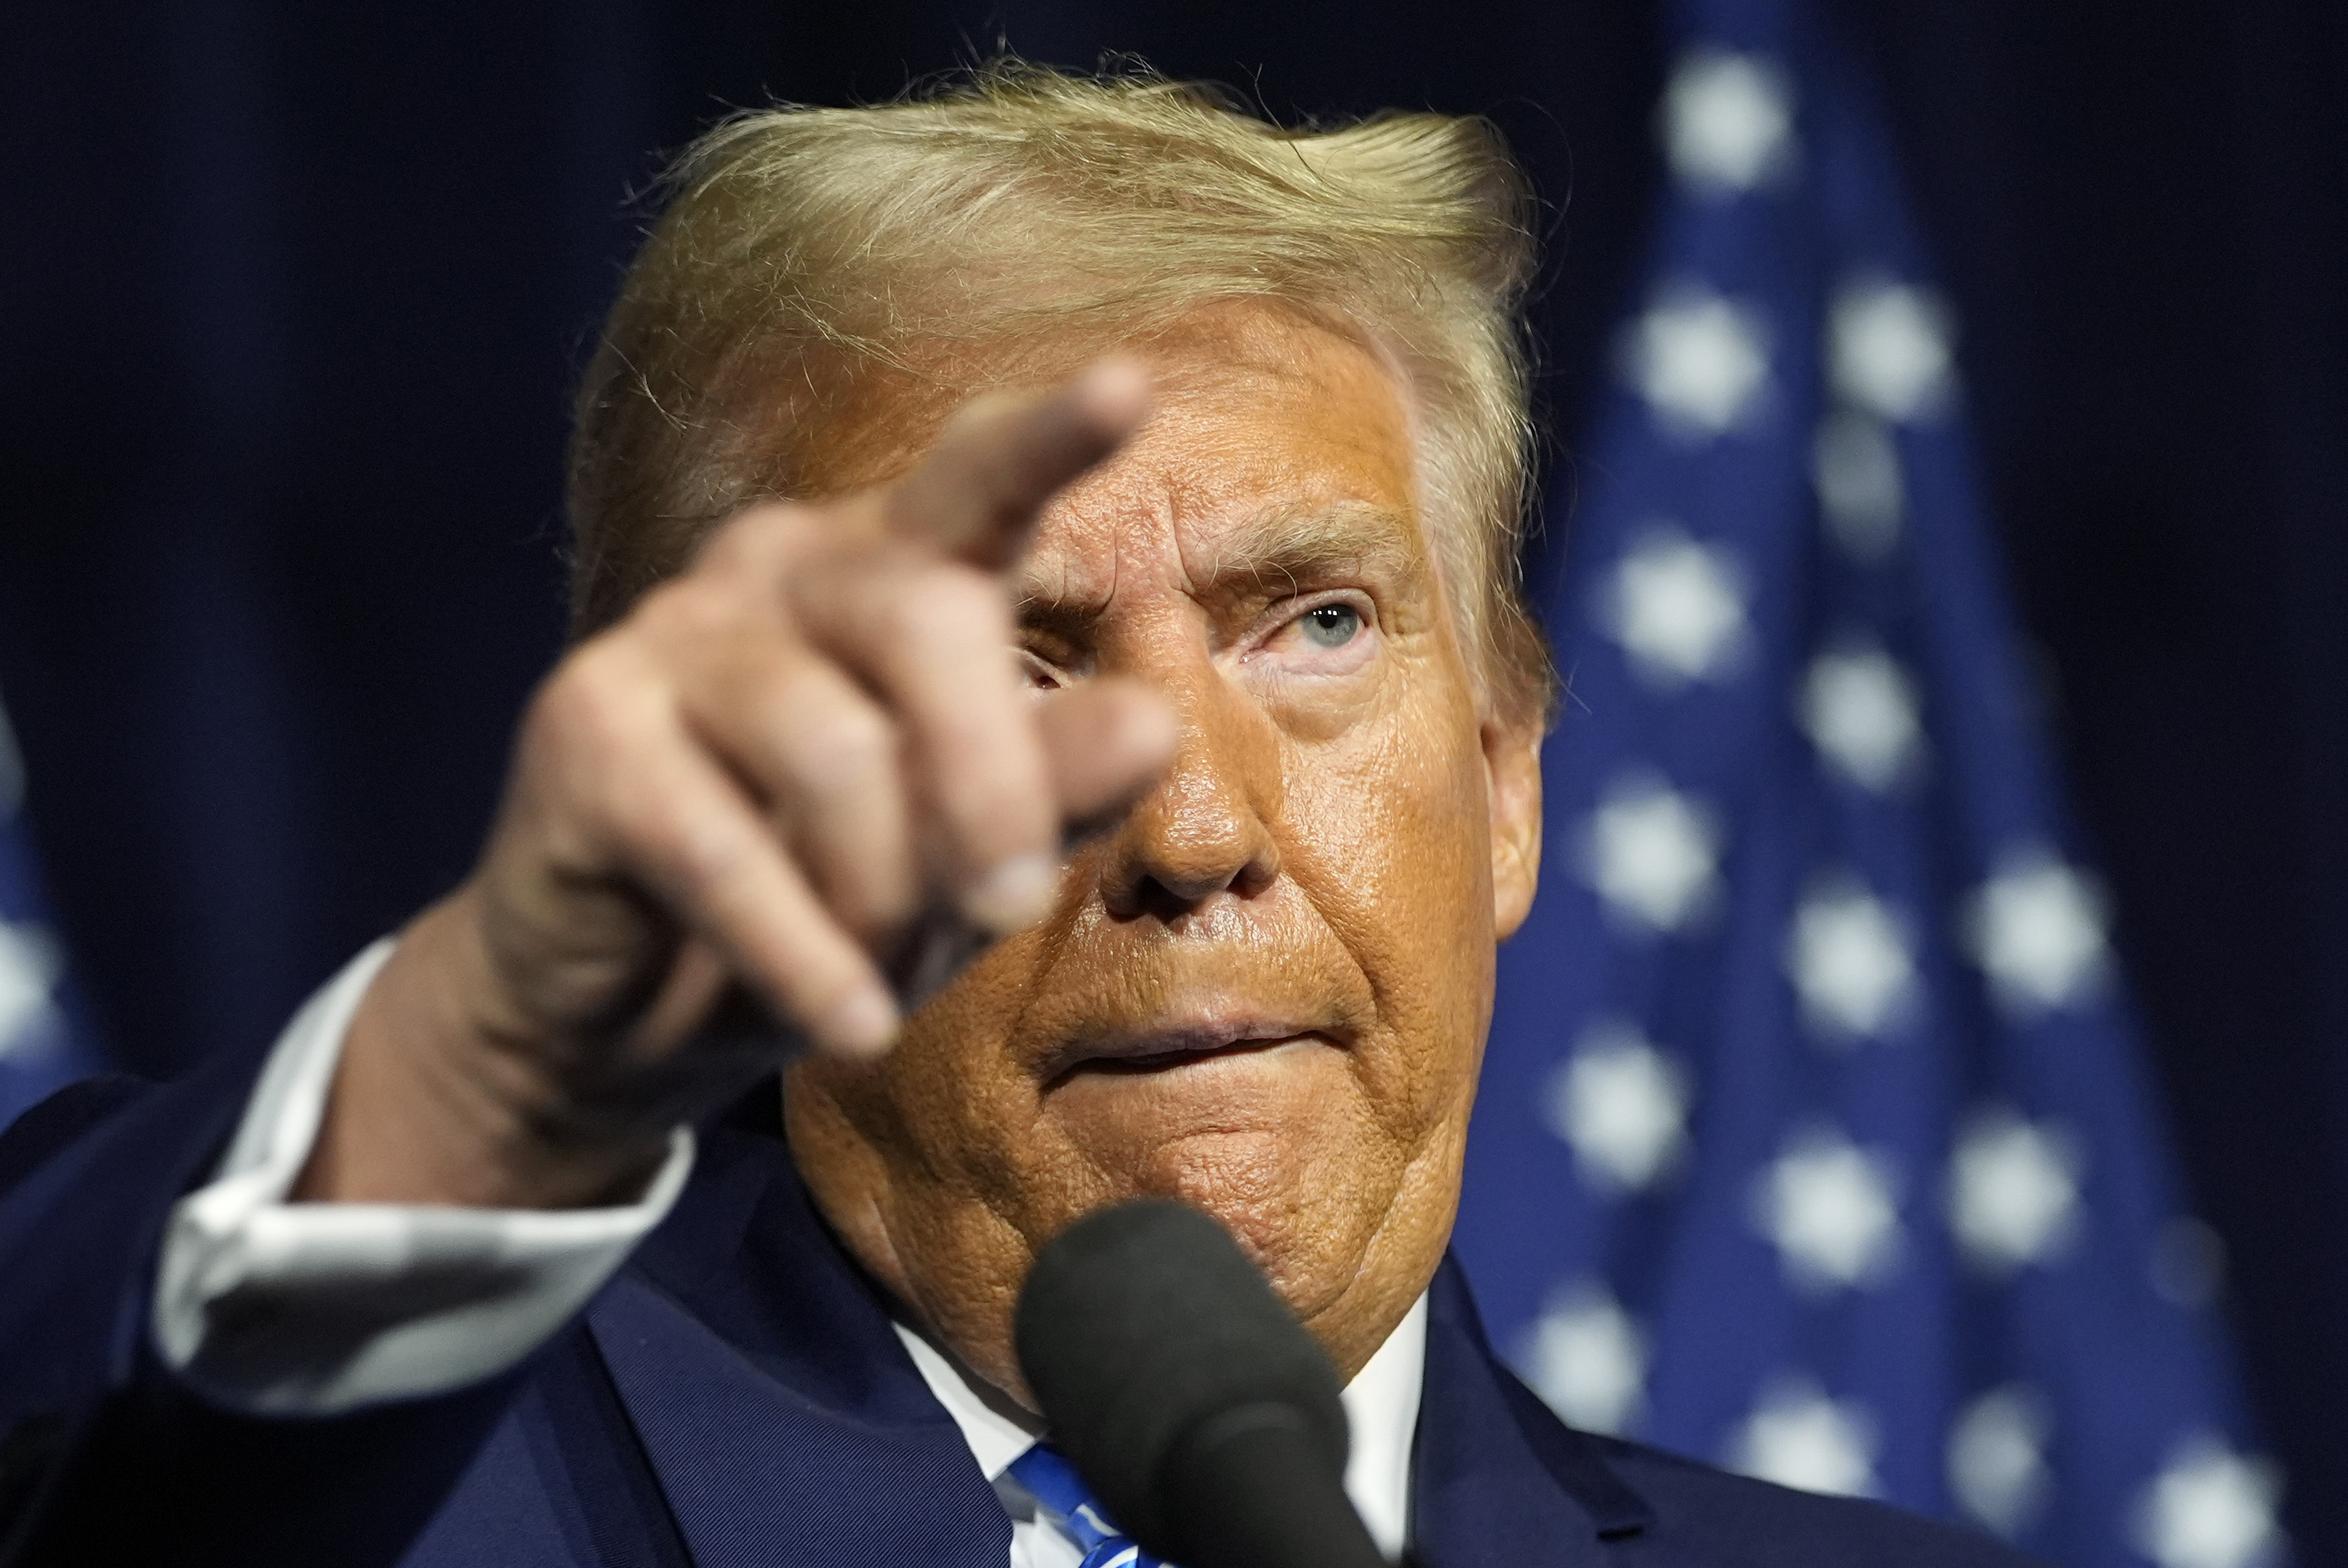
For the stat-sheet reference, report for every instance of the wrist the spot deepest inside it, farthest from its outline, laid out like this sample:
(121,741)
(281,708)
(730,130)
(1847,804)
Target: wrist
(440,1098)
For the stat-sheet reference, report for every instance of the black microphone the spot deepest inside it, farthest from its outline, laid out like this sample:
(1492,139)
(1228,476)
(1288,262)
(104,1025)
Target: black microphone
(1190,1399)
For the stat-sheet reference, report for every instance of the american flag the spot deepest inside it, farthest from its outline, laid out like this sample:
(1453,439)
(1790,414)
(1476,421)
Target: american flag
(42,1049)
(1815,1138)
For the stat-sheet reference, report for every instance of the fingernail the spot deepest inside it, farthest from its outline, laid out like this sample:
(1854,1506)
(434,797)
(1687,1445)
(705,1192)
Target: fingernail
(862,1025)
(1015,895)
(1118,388)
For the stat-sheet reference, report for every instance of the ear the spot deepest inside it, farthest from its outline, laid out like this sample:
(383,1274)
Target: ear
(1513,785)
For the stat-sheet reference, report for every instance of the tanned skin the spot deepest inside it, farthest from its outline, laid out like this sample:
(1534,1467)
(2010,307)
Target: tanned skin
(1190,596)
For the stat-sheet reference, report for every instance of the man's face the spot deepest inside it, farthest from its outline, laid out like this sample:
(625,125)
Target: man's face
(1264,990)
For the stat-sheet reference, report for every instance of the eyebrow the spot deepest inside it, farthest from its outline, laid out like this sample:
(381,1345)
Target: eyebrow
(1288,545)
(1295,542)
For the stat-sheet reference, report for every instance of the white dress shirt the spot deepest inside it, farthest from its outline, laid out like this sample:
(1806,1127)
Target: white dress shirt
(1381,1414)
(313,1308)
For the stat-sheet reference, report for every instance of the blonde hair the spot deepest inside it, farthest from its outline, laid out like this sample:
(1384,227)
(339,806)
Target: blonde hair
(805,252)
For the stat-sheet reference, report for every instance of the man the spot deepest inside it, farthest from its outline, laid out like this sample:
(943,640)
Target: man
(1048,639)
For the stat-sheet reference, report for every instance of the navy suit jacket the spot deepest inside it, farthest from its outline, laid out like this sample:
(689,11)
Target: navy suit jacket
(735,1396)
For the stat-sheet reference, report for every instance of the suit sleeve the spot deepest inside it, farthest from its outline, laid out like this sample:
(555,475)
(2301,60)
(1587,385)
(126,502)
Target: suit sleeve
(312,1308)
(193,1370)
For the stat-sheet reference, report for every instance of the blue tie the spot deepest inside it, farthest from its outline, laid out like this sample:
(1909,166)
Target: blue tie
(1068,1503)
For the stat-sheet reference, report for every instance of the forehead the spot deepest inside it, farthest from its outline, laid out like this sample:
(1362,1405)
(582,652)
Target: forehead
(1272,443)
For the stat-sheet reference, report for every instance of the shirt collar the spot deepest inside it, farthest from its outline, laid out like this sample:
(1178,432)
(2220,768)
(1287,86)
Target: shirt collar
(997,1430)
(1381,1408)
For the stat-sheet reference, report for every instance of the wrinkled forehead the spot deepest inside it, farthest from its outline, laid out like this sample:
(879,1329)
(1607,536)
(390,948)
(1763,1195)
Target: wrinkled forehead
(862,421)
(1274,449)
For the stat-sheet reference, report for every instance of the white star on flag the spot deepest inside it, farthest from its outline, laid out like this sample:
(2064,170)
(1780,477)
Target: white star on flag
(1997,1460)
(1862,493)
(1888,346)
(2036,928)
(1848,962)
(1621,1105)
(1859,709)
(2014,1191)
(1728,123)
(2210,1508)
(1828,1207)
(1651,854)
(29,962)
(1798,1437)
(1699,360)
(1678,609)
(1589,1361)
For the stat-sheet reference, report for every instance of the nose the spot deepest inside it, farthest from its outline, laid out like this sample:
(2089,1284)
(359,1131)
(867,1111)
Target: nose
(1204,829)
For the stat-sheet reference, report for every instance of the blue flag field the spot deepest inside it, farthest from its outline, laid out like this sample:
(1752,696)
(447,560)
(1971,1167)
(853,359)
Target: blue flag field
(1815,1138)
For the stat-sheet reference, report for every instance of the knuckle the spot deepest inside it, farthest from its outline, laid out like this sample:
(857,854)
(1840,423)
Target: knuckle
(586,702)
(842,746)
(688,610)
(940,605)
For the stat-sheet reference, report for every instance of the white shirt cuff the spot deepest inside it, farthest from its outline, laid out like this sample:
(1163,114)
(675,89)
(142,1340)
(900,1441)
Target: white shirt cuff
(313,1308)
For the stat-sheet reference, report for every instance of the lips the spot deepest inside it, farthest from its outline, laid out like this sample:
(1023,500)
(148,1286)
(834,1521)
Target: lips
(1158,1049)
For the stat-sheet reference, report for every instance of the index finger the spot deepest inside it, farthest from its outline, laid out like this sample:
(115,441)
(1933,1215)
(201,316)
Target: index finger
(999,459)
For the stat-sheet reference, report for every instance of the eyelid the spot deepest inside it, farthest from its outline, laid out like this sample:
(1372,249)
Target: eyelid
(1289,611)
(1285,616)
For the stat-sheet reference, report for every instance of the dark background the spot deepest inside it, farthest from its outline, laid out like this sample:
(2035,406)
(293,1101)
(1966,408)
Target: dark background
(292,295)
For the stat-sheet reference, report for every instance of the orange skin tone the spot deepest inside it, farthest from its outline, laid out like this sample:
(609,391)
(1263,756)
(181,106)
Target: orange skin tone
(1332,855)
(1263,987)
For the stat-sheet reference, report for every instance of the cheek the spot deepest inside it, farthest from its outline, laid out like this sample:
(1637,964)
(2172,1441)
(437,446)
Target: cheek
(946,1106)
(1391,841)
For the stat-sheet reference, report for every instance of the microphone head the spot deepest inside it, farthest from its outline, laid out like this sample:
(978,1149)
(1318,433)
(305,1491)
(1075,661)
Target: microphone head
(1143,1324)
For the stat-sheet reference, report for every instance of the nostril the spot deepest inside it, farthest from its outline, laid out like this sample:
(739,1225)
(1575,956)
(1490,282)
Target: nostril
(1166,893)
(1156,900)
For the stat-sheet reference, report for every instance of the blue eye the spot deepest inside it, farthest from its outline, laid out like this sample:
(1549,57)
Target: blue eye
(1331,625)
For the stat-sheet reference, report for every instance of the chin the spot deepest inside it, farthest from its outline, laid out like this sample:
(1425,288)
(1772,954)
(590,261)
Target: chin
(1278,1143)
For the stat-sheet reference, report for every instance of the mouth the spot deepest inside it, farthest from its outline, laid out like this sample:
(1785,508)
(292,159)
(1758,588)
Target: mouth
(1165,1050)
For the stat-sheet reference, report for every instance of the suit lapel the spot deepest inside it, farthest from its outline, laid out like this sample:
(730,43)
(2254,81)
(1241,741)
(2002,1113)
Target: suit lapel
(778,1408)
(784,1420)
(1496,1479)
